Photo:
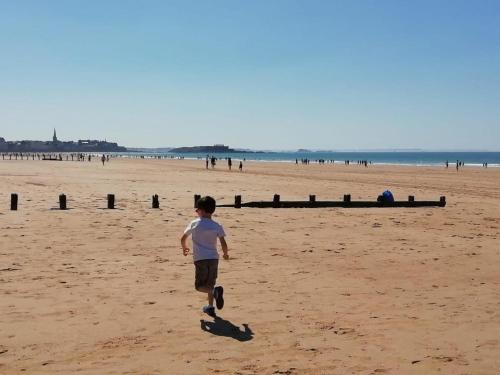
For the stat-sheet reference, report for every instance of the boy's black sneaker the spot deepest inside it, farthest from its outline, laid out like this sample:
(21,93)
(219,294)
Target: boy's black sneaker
(209,310)
(219,297)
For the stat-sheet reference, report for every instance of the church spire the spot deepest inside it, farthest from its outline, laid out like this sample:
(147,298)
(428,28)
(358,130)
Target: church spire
(54,138)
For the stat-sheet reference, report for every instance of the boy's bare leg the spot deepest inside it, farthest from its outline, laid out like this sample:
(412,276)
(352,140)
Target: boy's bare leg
(209,291)
(211,296)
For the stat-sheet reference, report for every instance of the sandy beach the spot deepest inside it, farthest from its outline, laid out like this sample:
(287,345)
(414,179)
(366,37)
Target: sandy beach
(308,291)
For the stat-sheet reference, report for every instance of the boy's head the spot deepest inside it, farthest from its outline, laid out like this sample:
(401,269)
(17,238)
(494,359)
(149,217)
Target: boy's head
(205,206)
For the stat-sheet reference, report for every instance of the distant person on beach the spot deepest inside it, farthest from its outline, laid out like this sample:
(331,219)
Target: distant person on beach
(103,159)
(241,166)
(206,162)
(205,232)
(229,163)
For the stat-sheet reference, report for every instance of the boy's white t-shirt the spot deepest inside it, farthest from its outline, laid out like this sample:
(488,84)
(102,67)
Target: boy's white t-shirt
(205,232)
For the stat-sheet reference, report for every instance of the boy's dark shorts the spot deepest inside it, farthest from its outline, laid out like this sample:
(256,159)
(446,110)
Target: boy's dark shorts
(206,272)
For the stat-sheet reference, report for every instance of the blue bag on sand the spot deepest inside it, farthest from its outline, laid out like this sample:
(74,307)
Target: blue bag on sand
(387,197)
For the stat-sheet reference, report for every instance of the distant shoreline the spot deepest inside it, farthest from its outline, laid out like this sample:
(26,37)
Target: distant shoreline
(416,159)
(377,158)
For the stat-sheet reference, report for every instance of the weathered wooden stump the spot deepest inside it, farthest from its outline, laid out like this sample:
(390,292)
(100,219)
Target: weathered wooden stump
(411,198)
(62,202)
(196,199)
(13,201)
(237,201)
(442,200)
(111,201)
(347,198)
(312,198)
(156,201)
(276,201)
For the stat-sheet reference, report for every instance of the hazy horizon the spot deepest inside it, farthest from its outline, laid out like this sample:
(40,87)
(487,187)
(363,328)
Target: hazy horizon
(312,149)
(260,75)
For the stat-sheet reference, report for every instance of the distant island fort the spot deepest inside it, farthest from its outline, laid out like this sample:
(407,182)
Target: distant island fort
(82,145)
(206,149)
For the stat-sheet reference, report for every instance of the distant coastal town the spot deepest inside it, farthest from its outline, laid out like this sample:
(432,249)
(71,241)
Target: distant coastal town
(90,145)
(82,145)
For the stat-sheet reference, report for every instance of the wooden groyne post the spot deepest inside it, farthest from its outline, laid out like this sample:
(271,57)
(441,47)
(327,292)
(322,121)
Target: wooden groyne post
(111,201)
(196,199)
(14,198)
(62,202)
(312,198)
(276,201)
(237,201)
(156,201)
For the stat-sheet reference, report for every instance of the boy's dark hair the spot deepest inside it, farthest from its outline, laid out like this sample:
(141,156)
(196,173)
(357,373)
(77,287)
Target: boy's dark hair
(206,204)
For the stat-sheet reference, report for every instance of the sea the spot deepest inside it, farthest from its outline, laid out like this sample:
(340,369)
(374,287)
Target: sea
(417,158)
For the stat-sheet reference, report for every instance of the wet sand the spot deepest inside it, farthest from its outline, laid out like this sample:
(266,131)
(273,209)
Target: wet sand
(308,291)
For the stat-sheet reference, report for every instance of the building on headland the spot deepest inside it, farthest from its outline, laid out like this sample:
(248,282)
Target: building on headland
(3,145)
(82,145)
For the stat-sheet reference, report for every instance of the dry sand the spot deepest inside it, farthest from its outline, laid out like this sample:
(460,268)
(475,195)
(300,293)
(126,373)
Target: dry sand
(320,291)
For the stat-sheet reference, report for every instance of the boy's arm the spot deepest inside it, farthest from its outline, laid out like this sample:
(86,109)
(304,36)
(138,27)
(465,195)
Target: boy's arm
(185,249)
(223,244)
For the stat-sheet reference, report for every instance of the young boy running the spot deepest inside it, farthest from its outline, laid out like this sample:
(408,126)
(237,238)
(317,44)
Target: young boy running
(204,233)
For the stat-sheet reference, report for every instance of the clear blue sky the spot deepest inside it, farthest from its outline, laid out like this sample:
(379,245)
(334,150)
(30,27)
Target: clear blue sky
(260,74)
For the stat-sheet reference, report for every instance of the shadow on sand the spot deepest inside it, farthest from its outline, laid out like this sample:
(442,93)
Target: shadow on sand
(222,327)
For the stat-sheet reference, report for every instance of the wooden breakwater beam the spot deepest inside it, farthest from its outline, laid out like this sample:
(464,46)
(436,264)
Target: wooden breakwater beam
(14,199)
(111,201)
(155,202)
(347,202)
(62,202)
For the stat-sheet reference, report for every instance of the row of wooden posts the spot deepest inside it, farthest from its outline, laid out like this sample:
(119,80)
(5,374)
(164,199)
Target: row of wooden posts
(345,203)
(14,200)
(275,203)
